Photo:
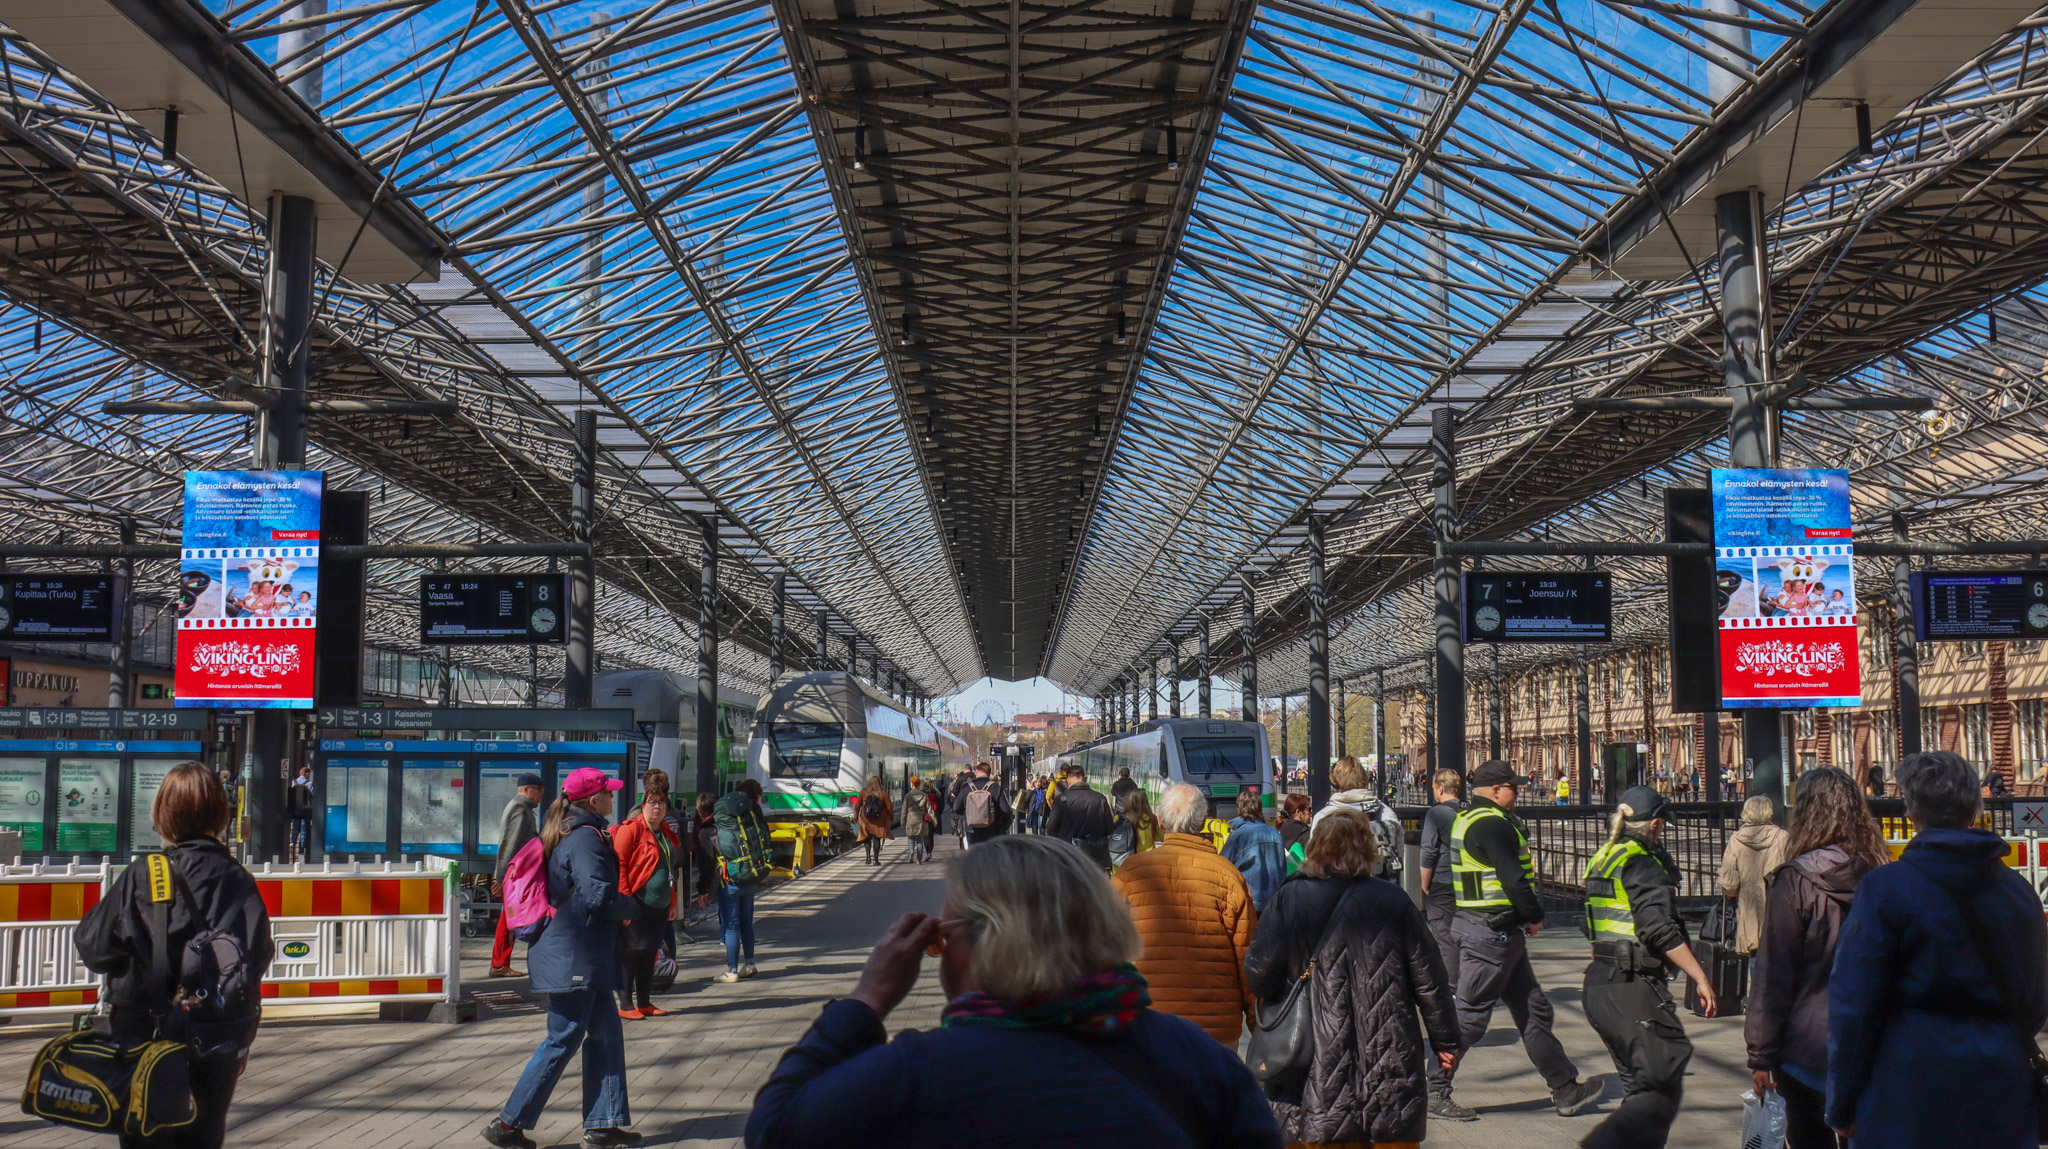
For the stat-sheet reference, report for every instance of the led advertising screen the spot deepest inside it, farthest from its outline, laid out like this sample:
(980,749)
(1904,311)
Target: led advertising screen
(492,608)
(1980,605)
(59,607)
(249,589)
(1785,588)
(1538,606)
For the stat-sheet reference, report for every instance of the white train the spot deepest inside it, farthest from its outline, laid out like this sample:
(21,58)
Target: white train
(821,734)
(1220,757)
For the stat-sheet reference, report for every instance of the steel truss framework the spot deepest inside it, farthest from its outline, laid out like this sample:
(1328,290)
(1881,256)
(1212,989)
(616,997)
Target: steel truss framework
(162,266)
(1875,256)
(1015,333)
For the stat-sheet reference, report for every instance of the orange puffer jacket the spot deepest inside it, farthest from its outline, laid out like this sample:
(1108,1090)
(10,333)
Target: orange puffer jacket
(1196,919)
(639,855)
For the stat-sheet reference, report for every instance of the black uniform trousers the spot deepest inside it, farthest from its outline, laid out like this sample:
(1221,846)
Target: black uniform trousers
(1635,1016)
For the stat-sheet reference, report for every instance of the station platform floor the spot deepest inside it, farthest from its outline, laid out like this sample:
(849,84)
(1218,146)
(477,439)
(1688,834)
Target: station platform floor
(337,1078)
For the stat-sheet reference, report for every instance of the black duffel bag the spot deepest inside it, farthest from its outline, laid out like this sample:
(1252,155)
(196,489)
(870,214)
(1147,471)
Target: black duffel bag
(93,1081)
(88,1080)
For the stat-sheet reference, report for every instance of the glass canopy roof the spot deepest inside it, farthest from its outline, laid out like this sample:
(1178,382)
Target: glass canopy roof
(1393,214)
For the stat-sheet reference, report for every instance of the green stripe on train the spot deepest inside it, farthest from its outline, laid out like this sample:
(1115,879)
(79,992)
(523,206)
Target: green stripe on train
(806,801)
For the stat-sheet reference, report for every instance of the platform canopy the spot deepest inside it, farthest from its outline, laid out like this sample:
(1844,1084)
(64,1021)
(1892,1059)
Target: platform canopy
(1013,337)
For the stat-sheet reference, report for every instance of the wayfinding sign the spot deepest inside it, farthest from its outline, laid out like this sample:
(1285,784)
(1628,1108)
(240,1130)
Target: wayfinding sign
(59,607)
(492,608)
(1991,605)
(249,588)
(1538,606)
(1786,589)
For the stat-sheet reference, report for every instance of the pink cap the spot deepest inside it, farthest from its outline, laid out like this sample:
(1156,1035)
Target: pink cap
(584,781)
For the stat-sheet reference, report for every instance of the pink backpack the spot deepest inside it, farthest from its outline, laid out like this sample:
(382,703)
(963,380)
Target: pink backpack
(526,906)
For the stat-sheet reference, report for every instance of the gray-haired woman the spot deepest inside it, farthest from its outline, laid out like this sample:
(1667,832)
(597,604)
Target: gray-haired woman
(1046,1038)
(1936,992)
(1753,852)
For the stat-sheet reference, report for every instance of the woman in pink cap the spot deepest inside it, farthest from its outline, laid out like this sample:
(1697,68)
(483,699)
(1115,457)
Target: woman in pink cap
(576,964)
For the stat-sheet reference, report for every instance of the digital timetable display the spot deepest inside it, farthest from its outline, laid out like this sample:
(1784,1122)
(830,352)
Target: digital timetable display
(1980,605)
(66,608)
(1538,606)
(493,608)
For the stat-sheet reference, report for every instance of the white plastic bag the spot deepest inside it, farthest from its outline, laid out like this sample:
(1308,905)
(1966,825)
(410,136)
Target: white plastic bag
(1763,1120)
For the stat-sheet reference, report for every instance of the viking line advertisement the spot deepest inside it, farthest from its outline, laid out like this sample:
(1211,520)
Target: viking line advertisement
(249,588)
(1785,582)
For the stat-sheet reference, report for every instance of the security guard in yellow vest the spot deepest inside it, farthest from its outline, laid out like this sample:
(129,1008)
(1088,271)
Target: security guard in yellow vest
(1493,885)
(1632,917)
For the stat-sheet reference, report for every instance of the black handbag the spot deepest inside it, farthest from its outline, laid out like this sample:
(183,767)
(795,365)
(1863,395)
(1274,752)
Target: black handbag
(92,1081)
(1283,1043)
(1283,1040)
(1980,936)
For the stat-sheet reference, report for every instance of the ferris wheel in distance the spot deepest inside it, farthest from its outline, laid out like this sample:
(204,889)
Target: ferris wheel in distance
(990,712)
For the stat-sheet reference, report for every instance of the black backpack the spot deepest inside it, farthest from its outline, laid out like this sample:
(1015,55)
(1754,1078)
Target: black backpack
(871,808)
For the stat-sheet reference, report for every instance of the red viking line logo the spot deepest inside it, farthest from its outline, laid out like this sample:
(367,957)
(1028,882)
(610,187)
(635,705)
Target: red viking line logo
(246,658)
(1772,657)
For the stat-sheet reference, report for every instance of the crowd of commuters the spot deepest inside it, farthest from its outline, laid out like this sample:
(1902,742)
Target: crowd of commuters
(1114,961)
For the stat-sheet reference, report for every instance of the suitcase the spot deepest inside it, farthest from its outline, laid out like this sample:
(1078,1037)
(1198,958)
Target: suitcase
(1729,972)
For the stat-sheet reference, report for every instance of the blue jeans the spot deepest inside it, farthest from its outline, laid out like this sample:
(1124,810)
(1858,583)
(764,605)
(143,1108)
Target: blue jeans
(736,922)
(582,1017)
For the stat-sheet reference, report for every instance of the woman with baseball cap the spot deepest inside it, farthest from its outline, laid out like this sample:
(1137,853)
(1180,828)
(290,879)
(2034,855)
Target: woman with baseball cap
(576,964)
(1638,937)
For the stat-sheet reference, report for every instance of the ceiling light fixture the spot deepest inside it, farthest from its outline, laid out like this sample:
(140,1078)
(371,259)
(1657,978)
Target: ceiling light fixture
(860,147)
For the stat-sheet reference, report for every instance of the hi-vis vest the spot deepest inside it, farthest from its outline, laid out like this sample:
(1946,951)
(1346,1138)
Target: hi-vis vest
(1474,884)
(1609,917)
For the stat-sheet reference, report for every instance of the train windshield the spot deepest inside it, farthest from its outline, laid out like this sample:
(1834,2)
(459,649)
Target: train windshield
(1220,756)
(805,749)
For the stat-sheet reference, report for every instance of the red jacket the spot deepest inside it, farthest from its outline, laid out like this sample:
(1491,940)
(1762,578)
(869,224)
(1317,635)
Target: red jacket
(638,855)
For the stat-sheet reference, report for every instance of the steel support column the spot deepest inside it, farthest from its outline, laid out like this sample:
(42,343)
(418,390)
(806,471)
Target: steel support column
(1905,649)
(1248,669)
(1152,688)
(1318,672)
(777,624)
(1450,648)
(579,673)
(1745,374)
(1379,727)
(1583,686)
(121,659)
(1343,723)
(280,445)
(1203,698)
(1493,732)
(707,658)
(1173,689)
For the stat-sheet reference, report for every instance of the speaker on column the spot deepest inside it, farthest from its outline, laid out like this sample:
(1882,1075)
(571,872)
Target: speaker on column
(338,651)
(1695,611)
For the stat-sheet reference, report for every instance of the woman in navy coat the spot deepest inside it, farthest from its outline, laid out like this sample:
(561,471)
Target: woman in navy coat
(1047,1037)
(1924,1031)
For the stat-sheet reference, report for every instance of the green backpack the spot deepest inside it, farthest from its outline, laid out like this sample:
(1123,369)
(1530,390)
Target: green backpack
(742,839)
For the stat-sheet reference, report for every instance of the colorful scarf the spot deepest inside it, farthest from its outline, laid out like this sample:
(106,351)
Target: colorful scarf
(1101,1005)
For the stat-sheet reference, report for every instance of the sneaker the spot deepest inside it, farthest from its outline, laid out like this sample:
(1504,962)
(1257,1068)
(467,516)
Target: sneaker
(730,975)
(748,970)
(610,1139)
(1578,1097)
(505,1137)
(1444,1109)
(506,971)
(632,1015)
(652,1011)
